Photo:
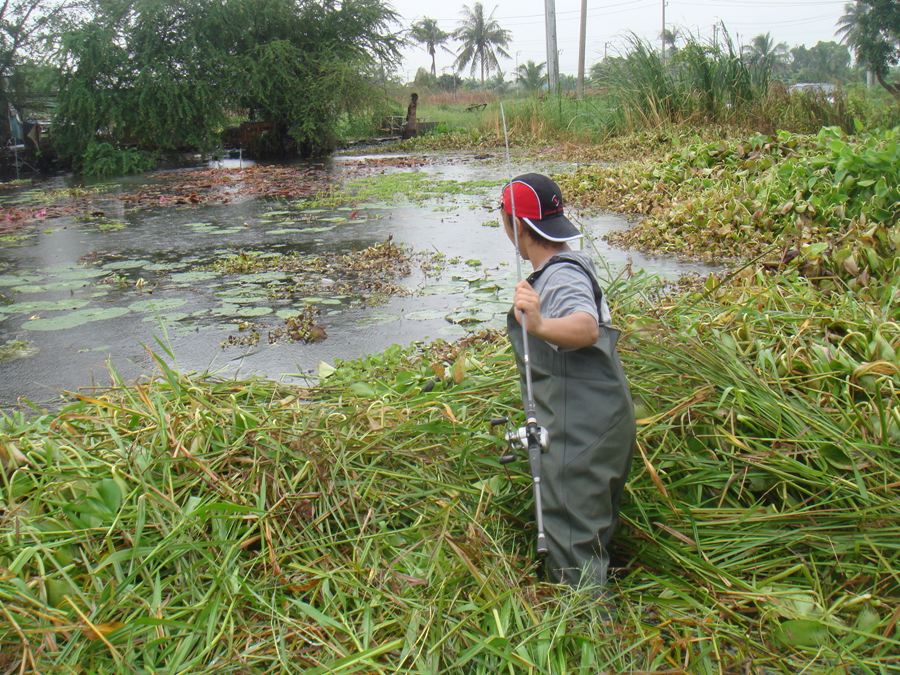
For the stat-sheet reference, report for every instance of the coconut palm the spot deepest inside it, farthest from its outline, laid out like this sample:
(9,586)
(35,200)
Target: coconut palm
(871,28)
(531,75)
(762,51)
(482,40)
(427,32)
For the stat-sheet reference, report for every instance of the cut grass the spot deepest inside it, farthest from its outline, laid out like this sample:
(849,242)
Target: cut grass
(187,524)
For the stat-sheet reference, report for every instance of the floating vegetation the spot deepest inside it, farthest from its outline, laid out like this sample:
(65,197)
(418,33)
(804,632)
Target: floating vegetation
(304,327)
(43,306)
(415,186)
(75,318)
(104,224)
(715,200)
(14,239)
(368,275)
(157,305)
(758,524)
(12,350)
(117,265)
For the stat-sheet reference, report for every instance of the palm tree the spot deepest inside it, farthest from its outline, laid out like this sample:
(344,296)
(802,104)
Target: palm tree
(482,40)
(763,51)
(872,31)
(426,32)
(531,75)
(670,38)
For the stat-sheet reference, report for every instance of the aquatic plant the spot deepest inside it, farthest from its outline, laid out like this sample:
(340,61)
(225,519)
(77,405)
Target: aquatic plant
(194,524)
(827,202)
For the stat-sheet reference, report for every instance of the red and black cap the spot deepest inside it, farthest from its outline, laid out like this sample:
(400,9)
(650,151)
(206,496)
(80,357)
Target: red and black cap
(539,202)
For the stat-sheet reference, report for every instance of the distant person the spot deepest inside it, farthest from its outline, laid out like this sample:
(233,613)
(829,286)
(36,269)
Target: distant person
(581,395)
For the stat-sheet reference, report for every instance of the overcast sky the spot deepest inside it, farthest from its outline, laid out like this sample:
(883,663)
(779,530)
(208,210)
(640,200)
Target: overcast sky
(791,21)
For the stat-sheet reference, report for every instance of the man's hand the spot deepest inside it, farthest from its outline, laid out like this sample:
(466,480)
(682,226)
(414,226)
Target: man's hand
(528,302)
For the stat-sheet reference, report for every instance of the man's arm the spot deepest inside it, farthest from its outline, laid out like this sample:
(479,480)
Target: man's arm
(574,331)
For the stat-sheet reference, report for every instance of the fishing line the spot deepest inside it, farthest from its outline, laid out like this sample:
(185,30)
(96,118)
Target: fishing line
(530,415)
(532,438)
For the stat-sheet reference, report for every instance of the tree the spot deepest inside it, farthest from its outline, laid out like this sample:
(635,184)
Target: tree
(670,38)
(871,28)
(426,32)
(763,52)
(26,36)
(166,74)
(482,39)
(531,76)
(825,62)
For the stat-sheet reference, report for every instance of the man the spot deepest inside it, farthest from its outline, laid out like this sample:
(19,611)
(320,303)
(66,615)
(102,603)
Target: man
(581,395)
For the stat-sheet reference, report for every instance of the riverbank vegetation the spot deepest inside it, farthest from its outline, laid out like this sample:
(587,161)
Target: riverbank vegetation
(365,523)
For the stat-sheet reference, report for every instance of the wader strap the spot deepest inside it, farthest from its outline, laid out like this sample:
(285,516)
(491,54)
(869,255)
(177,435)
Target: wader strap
(556,260)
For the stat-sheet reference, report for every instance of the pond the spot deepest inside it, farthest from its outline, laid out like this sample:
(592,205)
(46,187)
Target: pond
(210,286)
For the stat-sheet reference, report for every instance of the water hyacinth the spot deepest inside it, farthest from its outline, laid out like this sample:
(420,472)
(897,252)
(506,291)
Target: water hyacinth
(366,525)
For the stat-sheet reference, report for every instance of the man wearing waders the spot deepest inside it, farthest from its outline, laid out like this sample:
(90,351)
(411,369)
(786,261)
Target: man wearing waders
(580,393)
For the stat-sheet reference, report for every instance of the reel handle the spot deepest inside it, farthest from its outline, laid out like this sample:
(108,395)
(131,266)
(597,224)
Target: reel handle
(497,421)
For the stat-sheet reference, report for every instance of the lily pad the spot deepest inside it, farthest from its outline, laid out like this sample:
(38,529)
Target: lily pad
(254,311)
(189,277)
(126,264)
(157,305)
(43,306)
(53,286)
(226,310)
(165,267)
(80,273)
(426,315)
(174,317)
(18,279)
(285,230)
(75,318)
(262,277)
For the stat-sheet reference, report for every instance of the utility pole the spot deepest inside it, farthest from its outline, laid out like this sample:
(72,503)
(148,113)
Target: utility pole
(663,34)
(581,49)
(552,54)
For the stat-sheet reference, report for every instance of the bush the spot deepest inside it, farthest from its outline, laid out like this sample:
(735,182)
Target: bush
(104,159)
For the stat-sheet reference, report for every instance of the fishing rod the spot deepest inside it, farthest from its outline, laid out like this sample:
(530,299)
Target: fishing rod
(533,438)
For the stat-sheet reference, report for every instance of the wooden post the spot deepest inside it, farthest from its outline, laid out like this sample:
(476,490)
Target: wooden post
(410,129)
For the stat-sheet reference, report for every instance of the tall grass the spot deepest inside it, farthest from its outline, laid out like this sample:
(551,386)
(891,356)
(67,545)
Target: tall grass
(187,524)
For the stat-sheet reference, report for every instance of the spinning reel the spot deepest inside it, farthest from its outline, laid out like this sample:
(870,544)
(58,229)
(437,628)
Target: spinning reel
(518,439)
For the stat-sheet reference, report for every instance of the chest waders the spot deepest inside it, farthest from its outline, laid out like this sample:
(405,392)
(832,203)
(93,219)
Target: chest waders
(582,398)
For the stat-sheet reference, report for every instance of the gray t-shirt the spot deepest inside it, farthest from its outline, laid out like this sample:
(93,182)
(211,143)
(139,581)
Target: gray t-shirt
(565,289)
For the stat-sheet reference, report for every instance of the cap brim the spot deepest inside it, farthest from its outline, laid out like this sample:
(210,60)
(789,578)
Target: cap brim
(554,228)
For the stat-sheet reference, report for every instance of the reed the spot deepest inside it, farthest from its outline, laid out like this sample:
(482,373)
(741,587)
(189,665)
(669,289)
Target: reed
(364,524)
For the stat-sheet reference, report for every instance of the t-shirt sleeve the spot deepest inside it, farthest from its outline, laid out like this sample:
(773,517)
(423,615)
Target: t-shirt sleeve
(567,290)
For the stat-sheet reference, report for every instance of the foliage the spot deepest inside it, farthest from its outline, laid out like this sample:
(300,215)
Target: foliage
(482,40)
(164,75)
(823,62)
(427,32)
(101,160)
(188,524)
(763,52)
(825,203)
(531,76)
(872,29)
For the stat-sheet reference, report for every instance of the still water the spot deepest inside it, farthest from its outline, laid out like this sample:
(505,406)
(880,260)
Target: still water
(77,299)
